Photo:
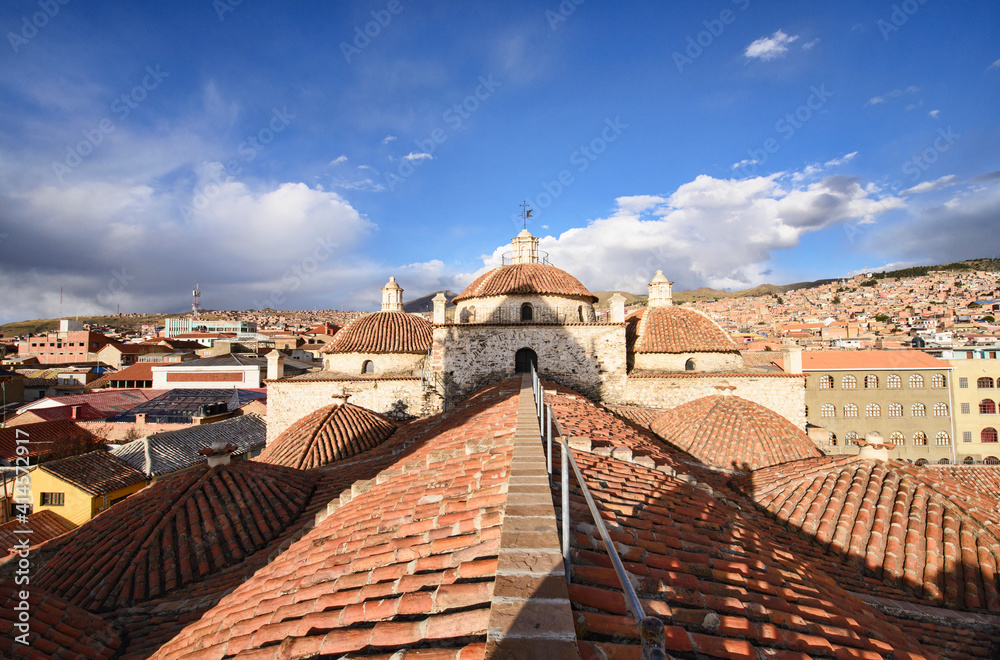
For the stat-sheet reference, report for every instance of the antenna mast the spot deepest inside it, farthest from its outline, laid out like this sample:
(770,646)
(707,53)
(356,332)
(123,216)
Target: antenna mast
(197,300)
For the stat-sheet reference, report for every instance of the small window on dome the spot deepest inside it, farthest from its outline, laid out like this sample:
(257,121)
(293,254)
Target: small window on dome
(689,365)
(526,312)
(579,310)
(368,367)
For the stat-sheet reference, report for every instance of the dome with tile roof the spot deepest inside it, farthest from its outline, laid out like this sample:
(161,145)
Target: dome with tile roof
(526,278)
(179,530)
(327,435)
(383,332)
(728,431)
(680,330)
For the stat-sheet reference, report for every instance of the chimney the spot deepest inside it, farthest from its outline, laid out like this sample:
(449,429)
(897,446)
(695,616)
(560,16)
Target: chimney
(440,302)
(392,296)
(793,359)
(275,365)
(660,291)
(219,453)
(617,308)
(140,418)
(873,447)
(74,412)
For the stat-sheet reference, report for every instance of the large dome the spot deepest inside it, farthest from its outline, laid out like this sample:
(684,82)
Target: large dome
(678,330)
(383,332)
(526,279)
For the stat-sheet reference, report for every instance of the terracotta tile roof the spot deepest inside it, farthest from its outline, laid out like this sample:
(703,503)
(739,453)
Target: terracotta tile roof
(96,472)
(770,359)
(680,330)
(526,279)
(896,523)
(984,479)
(57,629)
(106,401)
(177,531)
(170,451)
(40,527)
(383,332)
(827,360)
(84,413)
(329,434)
(713,571)
(138,372)
(728,431)
(404,564)
(61,437)
(640,416)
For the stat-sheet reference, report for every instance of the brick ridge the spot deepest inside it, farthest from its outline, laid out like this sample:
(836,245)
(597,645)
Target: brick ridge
(917,612)
(530,612)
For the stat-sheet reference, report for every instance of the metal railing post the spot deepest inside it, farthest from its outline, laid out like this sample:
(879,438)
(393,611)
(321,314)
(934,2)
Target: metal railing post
(548,442)
(652,636)
(564,478)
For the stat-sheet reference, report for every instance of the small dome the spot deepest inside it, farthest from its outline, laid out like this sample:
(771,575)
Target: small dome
(729,431)
(383,332)
(526,279)
(679,330)
(329,434)
(179,530)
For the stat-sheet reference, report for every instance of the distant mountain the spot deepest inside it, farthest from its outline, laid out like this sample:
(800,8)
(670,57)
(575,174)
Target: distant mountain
(630,298)
(426,303)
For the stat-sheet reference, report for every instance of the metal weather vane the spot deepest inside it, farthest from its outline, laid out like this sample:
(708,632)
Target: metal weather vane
(525,214)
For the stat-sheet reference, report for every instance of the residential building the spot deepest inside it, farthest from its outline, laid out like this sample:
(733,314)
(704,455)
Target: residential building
(975,392)
(122,355)
(904,395)
(71,344)
(80,487)
(176,325)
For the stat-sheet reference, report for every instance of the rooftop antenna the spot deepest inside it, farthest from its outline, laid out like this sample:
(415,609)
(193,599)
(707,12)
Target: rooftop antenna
(197,300)
(525,214)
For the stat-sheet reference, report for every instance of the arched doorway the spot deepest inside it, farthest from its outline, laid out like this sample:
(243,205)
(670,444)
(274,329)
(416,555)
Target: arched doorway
(524,359)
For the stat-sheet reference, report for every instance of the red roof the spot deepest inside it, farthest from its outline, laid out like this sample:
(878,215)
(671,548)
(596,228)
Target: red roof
(332,433)
(525,279)
(41,527)
(830,360)
(678,330)
(731,432)
(140,372)
(96,473)
(60,437)
(383,332)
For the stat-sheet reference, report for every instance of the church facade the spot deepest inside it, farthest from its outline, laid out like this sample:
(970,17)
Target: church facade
(528,312)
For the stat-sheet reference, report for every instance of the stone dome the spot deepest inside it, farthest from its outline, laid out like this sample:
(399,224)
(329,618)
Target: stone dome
(330,434)
(383,332)
(728,431)
(526,279)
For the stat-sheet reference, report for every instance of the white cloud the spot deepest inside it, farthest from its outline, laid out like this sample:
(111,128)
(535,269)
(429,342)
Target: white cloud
(709,232)
(875,100)
(808,45)
(846,158)
(418,156)
(928,186)
(744,163)
(995,65)
(338,160)
(934,113)
(895,93)
(768,48)
(388,138)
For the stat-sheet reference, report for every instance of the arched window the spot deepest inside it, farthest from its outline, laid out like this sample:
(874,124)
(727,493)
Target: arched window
(526,312)
(871,382)
(943,461)
(988,434)
(368,367)
(985,383)
(850,410)
(895,410)
(968,460)
(987,407)
(848,382)
(940,409)
(851,438)
(873,410)
(991,460)
(579,311)
(918,410)
(916,381)
(942,439)
(896,438)
(689,365)
(893,382)
(938,381)
(826,382)
(828,410)
(919,439)
(921,462)
(472,313)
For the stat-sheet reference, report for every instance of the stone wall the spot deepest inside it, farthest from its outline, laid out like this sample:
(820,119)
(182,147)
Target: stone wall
(290,400)
(703,362)
(588,358)
(783,394)
(386,365)
(507,309)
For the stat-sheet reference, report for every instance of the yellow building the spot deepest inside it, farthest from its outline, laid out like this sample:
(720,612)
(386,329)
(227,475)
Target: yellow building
(975,395)
(80,487)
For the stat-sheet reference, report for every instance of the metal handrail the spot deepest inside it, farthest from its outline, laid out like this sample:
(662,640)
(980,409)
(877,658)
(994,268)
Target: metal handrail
(652,635)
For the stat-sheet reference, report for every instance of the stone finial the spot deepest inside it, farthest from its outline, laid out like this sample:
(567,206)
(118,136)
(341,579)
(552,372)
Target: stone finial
(440,302)
(219,453)
(793,358)
(660,291)
(525,248)
(617,302)
(874,447)
(275,365)
(340,398)
(392,296)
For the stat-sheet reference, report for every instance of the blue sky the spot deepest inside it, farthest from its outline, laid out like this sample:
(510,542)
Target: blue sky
(295,155)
